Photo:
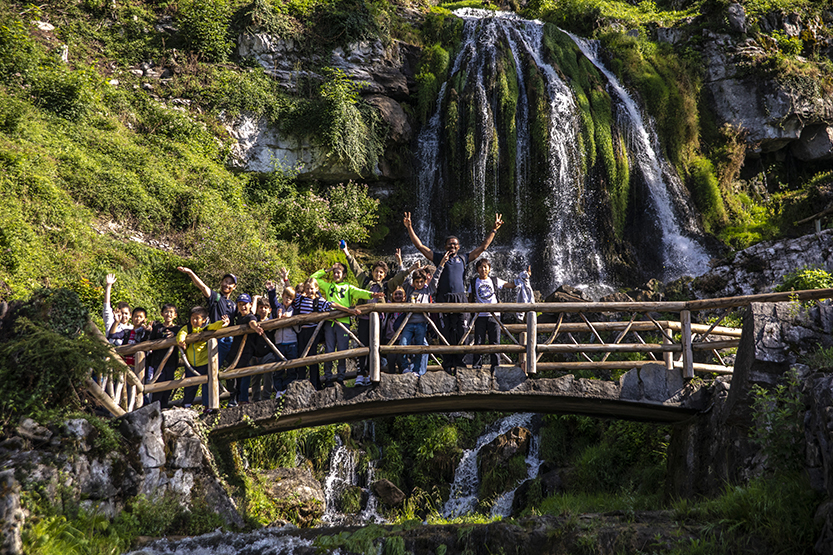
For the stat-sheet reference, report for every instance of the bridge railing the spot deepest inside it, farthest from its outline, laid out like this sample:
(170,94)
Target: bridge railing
(124,393)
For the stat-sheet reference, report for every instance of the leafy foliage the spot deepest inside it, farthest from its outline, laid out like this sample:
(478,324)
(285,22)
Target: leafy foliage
(779,423)
(205,25)
(805,278)
(44,359)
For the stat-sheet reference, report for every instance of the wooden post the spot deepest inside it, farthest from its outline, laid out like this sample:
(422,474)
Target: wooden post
(688,358)
(140,368)
(103,398)
(668,356)
(213,385)
(531,342)
(374,356)
(522,356)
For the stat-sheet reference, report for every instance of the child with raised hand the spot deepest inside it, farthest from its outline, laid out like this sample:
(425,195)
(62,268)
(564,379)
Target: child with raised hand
(219,304)
(286,339)
(421,291)
(196,353)
(335,290)
(242,352)
(138,331)
(483,289)
(262,352)
(161,330)
(307,302)
(121,316)
(376,280)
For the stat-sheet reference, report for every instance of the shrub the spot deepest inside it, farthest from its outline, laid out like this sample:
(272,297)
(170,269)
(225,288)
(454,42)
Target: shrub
(779,423)
(204,24)
(706,193)
(806,278)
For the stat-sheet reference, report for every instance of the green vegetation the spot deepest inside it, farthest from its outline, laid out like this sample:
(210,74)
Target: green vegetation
(820,359)
(806,278)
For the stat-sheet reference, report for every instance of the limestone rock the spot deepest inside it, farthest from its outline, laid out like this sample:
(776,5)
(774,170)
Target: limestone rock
(473,380)
(437,383)
(144,426)
(736,16)
(392,114)
(11,514)
(652,382)
(511,379)
(815,144)
(81,432)
(388,493)
(34,432)
(759,268)
(295,490)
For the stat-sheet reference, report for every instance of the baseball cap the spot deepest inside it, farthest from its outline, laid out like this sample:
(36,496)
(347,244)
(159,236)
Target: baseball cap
(244,298)
(232,276)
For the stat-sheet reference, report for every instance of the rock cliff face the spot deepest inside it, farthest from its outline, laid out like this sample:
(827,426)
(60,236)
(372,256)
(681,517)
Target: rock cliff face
(773,112)
(385,76)
(166,455)
(761,267)
(716,449)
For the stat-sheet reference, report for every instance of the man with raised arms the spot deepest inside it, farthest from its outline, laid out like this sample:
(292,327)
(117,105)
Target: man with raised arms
(452,286)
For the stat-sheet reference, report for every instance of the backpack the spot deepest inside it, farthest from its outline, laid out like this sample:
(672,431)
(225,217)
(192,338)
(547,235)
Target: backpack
(495,288)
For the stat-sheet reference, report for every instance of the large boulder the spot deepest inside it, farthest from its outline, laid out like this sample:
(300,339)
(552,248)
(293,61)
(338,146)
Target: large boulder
(504,447)
(295,491)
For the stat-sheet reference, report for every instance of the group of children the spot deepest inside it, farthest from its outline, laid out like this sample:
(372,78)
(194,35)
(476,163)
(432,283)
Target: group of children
(324,291)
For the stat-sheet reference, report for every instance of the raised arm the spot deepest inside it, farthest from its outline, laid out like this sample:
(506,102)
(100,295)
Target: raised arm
(426,252)
(360,274)
(206,290)
(107,313)
(435,279)
(488,240)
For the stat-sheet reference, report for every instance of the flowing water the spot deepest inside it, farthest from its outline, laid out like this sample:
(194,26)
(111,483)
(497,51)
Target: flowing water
(463,498)
(558,217)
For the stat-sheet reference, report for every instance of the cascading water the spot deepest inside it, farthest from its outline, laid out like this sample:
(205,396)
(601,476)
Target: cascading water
(463,498)
(344,475)
(682,255)
(507,135)
(503,504)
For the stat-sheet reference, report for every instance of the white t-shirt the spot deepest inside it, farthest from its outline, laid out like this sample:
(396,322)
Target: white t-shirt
(484,291)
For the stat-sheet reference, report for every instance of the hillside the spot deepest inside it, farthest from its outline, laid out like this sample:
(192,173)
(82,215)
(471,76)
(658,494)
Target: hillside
(120,150)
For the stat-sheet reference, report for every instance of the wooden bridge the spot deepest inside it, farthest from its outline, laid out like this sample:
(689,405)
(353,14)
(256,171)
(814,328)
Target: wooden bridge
(516,386)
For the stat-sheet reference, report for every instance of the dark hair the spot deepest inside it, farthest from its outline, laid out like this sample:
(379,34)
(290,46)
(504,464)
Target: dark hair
(169,305)
(343,267)
(139,309)
(380,264)
(199,310)
(123,304)
(420,274)
(449,238)
(263,301)
(481,262)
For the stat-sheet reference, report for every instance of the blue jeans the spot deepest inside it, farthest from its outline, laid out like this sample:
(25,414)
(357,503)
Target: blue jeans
(414,334)
(335,339)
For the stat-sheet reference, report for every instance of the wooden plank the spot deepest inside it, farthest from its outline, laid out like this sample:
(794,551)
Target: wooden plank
(451,349)
(688,356)
(700,367)
(99,395)
(140,365)
(609,347)
(213,379)
(374,358)
(668,356)
(294,363)
(531,341)
(621,335)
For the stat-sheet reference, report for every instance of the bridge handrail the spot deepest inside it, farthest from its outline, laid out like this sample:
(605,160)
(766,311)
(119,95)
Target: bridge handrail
(531,352)
(658,306)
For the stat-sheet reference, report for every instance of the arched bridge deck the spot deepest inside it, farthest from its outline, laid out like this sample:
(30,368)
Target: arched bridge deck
(508,390)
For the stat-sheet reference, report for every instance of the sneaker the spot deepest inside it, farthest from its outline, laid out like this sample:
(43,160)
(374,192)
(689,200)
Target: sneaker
(407,371)
(360,380)
(232,403)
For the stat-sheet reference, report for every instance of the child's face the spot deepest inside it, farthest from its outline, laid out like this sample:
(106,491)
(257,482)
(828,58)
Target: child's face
(125,314)
(138,318)
(483,271)
(398,296)
(287,299)
(244,308)
(378,273)
(168,315)
(263,310)
(338,273)
(311,290)
(198,320)
(419,282)
(227,286)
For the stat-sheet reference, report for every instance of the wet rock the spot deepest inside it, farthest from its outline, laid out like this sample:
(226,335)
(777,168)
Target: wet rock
(504,447)
(736,16)
(295,490)
(388,493)
(12,516)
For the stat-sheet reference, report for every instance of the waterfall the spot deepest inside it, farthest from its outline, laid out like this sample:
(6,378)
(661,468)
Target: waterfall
(463,498)
(503,504)
(342,476)
(506,136)
(682,255)
(267,541)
